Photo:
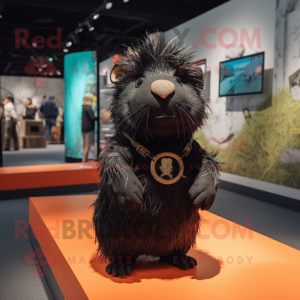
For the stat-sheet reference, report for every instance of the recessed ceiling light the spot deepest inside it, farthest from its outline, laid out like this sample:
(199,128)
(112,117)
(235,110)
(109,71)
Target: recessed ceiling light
(69,44)
(58,72)
(96,16)
(66,50)
(92,28)
(125,1)
(108,5)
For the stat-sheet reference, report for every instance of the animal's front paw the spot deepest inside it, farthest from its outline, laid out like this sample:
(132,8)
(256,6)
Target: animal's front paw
(203,192)
(128,191)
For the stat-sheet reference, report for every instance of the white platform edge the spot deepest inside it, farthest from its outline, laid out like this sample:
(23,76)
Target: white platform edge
(261,185)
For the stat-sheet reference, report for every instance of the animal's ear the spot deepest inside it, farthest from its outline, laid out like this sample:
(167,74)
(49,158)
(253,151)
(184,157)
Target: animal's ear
(116,73)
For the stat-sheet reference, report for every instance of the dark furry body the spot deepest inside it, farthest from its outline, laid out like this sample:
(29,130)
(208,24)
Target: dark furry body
(132,233)
(165,221)
(168,220)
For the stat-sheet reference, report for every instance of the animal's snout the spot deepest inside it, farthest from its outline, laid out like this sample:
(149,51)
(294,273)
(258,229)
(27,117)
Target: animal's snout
(162,88)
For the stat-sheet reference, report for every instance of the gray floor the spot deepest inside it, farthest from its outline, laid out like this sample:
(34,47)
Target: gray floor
(278,223)
(16,278)
(53,154)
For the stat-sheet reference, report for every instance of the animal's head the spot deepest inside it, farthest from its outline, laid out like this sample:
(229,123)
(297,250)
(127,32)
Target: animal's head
(157,91)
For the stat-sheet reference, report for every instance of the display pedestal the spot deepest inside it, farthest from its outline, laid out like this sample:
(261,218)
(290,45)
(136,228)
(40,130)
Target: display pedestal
(31,134)
(46,180)
(233,262)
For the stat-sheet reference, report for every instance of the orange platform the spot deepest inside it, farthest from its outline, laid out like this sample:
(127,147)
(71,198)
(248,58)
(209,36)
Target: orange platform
(233,262)
(41,176)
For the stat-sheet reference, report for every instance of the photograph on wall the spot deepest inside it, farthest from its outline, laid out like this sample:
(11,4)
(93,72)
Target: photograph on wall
(242,75)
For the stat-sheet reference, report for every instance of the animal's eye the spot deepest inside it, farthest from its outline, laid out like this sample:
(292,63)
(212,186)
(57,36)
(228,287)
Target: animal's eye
(178,80)
(139,82)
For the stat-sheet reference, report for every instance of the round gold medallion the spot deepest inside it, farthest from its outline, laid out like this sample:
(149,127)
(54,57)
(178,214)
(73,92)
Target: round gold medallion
(167,168)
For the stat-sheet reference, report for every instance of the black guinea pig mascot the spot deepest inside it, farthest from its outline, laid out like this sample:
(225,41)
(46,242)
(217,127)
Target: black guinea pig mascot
(153,176)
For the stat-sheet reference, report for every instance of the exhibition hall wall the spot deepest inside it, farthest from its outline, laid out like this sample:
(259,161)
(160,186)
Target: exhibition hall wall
(21,87)
(257,135)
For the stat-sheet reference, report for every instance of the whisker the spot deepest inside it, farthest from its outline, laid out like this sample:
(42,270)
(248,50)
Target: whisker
(131,112)
(176,122)
(140,122)
(193,107)
(147,124)
(190,116)
(182,121)
(134,111)
(201,112)
(187,119)
(137,117)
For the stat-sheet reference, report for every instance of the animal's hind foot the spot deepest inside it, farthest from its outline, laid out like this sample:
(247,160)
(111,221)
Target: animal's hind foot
(182,261)
(120,266)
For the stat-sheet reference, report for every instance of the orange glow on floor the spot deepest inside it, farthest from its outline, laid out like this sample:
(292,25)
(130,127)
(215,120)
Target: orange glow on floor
(233,262)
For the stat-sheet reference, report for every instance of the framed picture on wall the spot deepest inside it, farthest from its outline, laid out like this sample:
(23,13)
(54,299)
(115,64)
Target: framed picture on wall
(242,76)
(294,81)
(201,64)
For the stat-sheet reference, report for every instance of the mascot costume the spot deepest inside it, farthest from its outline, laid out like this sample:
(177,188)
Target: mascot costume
(154,176)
